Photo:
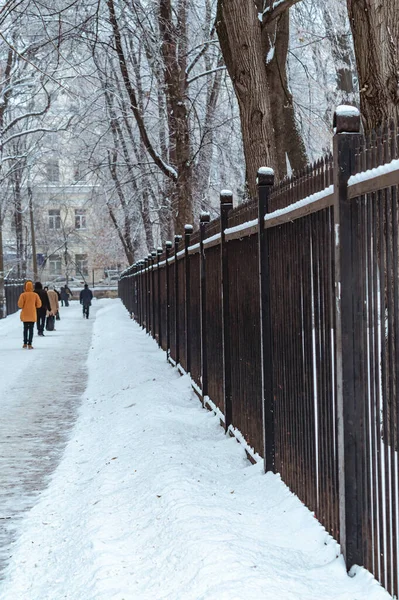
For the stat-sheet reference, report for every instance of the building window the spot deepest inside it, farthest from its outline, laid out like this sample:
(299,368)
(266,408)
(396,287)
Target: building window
(82,267)
(55,265)
(78,172)
(53,170)
(80,218)
(54,219)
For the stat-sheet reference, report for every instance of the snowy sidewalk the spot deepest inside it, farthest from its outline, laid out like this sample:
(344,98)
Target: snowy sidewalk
(40,390)
(151,500)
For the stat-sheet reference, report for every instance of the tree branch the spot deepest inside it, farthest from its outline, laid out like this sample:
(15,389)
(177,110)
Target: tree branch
(276,9)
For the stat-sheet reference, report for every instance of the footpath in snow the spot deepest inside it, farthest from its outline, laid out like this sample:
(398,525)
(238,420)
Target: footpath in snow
(151,501)
(40,392)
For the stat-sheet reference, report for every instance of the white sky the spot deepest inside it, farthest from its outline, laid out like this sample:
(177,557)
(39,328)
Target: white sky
(150,500)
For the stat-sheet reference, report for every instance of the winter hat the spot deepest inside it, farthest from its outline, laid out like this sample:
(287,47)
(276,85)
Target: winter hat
(38,286)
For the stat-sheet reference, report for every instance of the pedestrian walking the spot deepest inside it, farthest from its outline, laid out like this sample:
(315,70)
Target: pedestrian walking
(29,302)
(65,294)
(53,299)
(86,296)
(42,311)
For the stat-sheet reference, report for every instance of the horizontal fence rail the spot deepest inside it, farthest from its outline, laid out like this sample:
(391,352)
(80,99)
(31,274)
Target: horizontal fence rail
(285,313)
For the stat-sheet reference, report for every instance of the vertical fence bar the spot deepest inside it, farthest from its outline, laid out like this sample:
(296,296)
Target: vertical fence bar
(350,415)
(168,247)
(204,219)
(159,253)
(188,230)
(226,204)
(265,184)
(177,337)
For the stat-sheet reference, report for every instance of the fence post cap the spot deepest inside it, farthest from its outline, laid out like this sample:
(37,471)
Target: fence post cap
(265,176)
(154,253)
(205,217)
(226,197)
(188,228)
(168,244)
(159,251)
(177,238)
(346,119)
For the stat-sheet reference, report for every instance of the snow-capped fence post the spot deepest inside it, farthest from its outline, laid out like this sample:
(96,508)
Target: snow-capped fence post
(133,291)
(177,324)
(188,230)
(168,248)
(350,413)
(226,204)
(204,219)
(153,298)
(159,254)
(147,292)
(150,299)
(142,293)
(265,183)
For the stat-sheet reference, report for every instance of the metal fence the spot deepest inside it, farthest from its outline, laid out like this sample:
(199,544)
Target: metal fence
(12,289)
(285,312)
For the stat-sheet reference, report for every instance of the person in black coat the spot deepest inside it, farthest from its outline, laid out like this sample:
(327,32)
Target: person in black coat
(85,298)
(42,311)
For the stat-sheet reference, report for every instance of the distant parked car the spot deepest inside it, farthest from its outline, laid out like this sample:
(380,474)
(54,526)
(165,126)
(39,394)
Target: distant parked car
(60,281)
(112,278)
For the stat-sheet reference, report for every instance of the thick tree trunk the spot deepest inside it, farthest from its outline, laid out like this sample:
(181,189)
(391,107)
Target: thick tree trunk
(174,52)
(239,31)
(342,55)
(375,29)
(289,142)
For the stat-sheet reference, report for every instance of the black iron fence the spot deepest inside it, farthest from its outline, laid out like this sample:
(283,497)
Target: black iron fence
(285,312)
(12,290)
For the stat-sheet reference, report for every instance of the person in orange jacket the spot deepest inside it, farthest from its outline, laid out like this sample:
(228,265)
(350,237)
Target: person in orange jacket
(29,301)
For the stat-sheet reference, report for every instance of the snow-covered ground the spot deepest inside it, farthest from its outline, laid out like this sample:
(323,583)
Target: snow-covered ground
(150,500)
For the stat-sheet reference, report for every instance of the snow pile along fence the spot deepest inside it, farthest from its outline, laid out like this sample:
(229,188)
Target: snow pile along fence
(285,313)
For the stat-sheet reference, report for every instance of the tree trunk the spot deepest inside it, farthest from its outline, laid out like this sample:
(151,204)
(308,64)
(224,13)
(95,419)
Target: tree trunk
(239,31)
(289,142)
(375,29)
(174,52)
(342,55)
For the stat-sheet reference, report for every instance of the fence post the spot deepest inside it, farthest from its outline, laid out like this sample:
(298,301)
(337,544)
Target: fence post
(177,337)
(204,219)
(143,292)
(153,257)
(159,253)
(168,247)
(349,413)
(188,230)
(134,292)
(147,289)
(265,184)
(140,292)
(226,204)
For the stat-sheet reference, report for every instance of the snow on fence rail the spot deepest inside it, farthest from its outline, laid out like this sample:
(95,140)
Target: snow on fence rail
(285,313)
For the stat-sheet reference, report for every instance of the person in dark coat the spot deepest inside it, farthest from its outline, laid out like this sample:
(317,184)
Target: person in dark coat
(42,311)
(65,293)
(86,296)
